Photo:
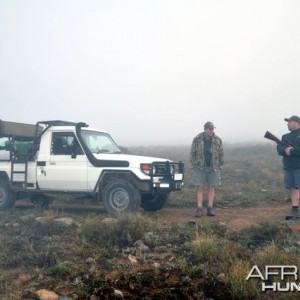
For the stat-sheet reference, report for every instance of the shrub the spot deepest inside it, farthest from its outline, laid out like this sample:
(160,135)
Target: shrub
(122,232)
(205,247)
(241,288)
(273,254)
(262,235)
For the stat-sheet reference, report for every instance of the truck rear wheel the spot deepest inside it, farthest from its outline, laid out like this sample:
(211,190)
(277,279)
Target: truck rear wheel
(7,199)
(120,196)
(154,202)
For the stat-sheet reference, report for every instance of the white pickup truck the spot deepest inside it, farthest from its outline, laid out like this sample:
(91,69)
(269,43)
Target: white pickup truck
(56,157)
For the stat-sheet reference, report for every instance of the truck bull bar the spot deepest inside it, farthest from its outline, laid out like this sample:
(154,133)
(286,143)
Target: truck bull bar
(167,175)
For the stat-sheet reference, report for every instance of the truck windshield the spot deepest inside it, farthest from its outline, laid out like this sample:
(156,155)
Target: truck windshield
(99,142)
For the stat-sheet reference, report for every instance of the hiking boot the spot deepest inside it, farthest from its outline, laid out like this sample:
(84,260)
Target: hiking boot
(293,215)
(210,212)
(198,212)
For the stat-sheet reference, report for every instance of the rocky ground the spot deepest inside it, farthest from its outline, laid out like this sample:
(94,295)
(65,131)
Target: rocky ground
(144,266)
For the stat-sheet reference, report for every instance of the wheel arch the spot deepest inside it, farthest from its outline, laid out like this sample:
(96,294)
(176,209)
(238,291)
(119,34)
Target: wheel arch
(109,175)
(5,177)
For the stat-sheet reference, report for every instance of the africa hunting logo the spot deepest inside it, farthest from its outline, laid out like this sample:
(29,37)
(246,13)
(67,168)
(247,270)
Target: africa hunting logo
(276,278)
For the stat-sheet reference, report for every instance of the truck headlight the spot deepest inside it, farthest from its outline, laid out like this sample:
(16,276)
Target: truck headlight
(145,168)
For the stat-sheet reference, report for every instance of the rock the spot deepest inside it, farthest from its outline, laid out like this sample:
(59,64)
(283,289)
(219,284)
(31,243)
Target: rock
(148,235)
(132,259)
(44,294)
(141,246)
(118,294)
(65,221)
(222,277)
(109,221)
(92,269)
(186,279)
(90,260)
(156,265)
(43,220)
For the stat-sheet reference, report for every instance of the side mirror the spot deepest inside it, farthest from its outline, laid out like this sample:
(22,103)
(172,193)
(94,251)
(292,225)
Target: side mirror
(74,155)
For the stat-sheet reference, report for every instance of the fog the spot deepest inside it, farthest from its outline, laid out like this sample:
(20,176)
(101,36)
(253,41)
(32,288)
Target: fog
(152,72)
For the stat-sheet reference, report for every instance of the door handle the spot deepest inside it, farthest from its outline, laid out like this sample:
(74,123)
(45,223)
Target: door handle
(52,163)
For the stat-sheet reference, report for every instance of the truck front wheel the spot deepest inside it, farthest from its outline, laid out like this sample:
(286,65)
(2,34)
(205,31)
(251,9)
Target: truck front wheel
(120,196)
(6,195)
(154,202)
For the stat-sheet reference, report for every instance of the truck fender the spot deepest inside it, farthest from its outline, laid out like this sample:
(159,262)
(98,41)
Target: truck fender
(108,175)
(5,177)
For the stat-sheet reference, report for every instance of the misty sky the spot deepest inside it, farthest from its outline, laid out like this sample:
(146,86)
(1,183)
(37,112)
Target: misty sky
(152,72)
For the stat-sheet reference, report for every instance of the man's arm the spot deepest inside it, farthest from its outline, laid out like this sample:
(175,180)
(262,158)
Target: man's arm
(281,147)
(221,154)
(193,153)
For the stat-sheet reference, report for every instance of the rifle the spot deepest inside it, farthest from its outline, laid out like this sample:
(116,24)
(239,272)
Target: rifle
(268,135)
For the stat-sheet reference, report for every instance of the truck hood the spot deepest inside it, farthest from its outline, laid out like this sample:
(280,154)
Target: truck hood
(134,160)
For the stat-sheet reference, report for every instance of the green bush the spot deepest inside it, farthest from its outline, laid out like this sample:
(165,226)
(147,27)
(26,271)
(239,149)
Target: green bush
(205,247)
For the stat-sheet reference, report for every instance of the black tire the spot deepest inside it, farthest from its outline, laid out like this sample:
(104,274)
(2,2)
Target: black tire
(7,199)
(120,196)
(156,202)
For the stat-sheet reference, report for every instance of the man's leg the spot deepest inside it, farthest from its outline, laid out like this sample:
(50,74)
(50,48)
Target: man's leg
(295,204)
(199,179)
(213,180)
(200,194)
(292,181)
(211,195)
(295,195)
(211,198)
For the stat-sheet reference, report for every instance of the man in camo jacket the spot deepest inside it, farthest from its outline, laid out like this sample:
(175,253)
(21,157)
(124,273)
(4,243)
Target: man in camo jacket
(207,159)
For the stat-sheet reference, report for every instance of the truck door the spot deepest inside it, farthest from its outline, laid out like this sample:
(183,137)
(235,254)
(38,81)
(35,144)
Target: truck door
(66,166)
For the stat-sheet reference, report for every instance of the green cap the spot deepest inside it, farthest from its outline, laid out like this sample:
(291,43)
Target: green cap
(293,118)
(209,125)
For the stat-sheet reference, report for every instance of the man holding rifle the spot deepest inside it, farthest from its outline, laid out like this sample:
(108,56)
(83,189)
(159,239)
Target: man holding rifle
(289,148)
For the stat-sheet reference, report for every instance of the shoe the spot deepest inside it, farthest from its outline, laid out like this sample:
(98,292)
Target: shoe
(198,212)
(293,215)
(210,212)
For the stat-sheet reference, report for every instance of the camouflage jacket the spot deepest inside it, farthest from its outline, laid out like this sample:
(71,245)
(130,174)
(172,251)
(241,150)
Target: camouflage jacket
(197,158)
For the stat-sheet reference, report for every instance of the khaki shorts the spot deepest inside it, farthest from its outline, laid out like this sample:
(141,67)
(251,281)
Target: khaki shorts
(206,177)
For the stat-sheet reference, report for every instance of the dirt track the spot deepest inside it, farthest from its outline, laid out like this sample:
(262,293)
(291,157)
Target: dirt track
(234,218)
